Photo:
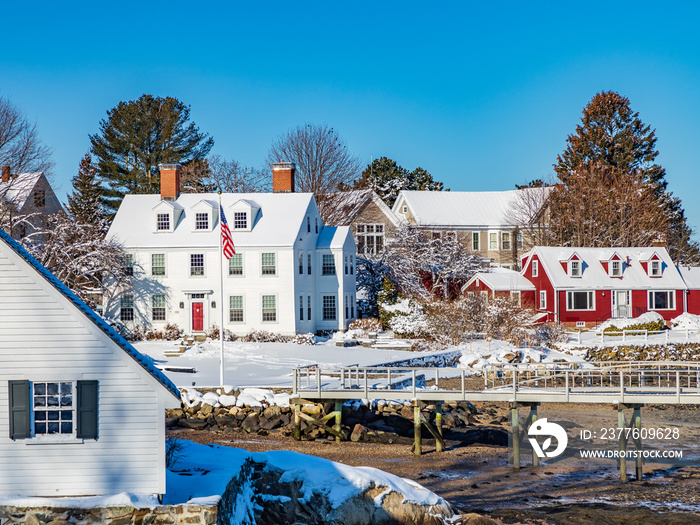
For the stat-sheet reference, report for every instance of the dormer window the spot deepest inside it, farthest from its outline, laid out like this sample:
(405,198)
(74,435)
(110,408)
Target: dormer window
(575,268)
(201,221)
(240,220)
(163,222)
(655,269)
(616,269)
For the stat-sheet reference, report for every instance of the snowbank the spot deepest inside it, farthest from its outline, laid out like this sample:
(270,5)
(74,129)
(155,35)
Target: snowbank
(621,323)
(686,322)
(248,397)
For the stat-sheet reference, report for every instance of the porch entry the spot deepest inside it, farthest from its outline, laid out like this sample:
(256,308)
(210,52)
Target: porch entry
(197,309)
(621,303)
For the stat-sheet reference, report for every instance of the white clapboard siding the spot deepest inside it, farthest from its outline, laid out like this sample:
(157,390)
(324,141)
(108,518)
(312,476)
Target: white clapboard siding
(44,337)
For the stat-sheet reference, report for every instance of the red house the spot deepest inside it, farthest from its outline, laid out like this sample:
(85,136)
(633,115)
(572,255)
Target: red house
(691,276)
(501,282)
(585,286)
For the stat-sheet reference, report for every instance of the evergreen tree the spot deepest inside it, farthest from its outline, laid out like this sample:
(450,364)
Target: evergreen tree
(613,143)
(387,179)
(85,203)
(136,137)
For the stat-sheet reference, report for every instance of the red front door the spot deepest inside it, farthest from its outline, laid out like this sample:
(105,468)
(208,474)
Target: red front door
(197,317)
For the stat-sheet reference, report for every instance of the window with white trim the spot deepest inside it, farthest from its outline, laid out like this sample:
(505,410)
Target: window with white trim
(53,408)
(158,308)
(308,307)
(126,308)
(493,241)
(269,308)
(328,267)
(308,224)
(301,263)
(370,238)
(158,264)
(128,263)
(163,221)
(583,300)
(201,221)
(575,268)
(505,240)
(543,300)
(235,264)
(347,307)
(329,308)
(308,264)
(475,241)
(347,266)
(655,268)
(235,309)
(519,241)
(352,306)
(661,300)
(515,298)
(196,264)
(268,263)
(615,268)
(316,221)
(535,267)
(240,220)
(352,264)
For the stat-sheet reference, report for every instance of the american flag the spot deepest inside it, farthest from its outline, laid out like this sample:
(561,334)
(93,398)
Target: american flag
(229,250)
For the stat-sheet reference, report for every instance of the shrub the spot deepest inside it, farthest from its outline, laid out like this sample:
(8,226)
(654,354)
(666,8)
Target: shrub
(652,326)
(365,326)
(213,333)
(304,339)
(263,336)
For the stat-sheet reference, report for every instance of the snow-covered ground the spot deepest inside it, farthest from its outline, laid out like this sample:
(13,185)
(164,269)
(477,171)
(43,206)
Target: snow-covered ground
(260,364)
(200,476)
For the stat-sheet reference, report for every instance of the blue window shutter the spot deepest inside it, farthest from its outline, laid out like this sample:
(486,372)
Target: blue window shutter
(20,410)
(87,409)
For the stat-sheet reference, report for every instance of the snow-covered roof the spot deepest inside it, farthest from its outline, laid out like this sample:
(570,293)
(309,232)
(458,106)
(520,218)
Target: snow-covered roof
(691,276)
(18,189)
(278,222)
(89,313)
(594,275)
(459,208)
(333,237)
(349,204)
(502,279)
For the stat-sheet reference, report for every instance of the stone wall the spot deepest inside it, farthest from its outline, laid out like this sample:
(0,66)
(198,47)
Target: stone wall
(163,515)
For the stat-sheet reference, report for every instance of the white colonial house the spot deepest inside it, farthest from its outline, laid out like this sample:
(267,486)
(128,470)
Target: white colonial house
(81,411)
(290,274)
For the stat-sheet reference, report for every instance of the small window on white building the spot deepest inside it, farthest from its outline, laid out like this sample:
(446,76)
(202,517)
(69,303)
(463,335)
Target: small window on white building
(53,408)
(308,224)
(158,264)
(235,311)
(308,264)
(329,308)
(352,264)
(316,221)
(308,307)
(301,263)
(196,264)
(201,221)
(240,220)
(347,266)
(328,267)
(163,222)
(268,264)
(269,308)
(128,267)
(158,308)
(235,264)
(126,310)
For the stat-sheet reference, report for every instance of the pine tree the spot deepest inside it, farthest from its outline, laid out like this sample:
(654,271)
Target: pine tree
(136,137)
(85,203)
(615,151)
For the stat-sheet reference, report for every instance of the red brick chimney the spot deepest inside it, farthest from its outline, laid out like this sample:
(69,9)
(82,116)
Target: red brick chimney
(6,174)
(659,242)
(169,181)
(283,177)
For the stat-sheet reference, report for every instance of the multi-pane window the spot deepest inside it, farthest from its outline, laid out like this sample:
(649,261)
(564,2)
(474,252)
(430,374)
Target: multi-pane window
(661,300)
(197,264)
(163,221)
(352,264)
(268,264)
(201,221)
(543,300)
(269,308)
(475,241)
(347,307)
(240,220)
(347,268)
(580,301)
(329,308)
(316,221)
(575,268)
(308,224)
(515,298)
(370,238)
(39,198)
(301,307)
(493,241)
(616,268)
(308,307)
(128,264)
(655,268)
(328,267)
(520,240)
(53,408)
(235,264)
(126,310)
(352,307)
(505,240)
(301,263)
(535,267)
(235,312)
(158,264)
(308,264)
(158,309)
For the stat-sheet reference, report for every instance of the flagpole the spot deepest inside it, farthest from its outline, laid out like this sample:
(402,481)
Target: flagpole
(221,299)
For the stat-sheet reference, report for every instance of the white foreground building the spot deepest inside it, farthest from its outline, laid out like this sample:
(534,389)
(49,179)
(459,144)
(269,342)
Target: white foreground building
(291,273)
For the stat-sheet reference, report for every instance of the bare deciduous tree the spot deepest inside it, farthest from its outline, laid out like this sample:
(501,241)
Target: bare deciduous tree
(528,212)
(20,147)
(324,164)
(216,173)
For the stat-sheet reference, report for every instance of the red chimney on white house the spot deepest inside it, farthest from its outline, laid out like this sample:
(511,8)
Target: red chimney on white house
(283,177)
(169,181)
(6,174)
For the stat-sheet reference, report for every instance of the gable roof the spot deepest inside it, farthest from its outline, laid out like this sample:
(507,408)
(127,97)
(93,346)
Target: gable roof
(333,237)
(502,279)
(691,276)
(594,276)
(19,188)
(279,220)
(349,204)
(460,208)
(89,313)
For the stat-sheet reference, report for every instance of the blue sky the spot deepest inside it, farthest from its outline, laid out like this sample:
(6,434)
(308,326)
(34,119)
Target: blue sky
(482,95)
